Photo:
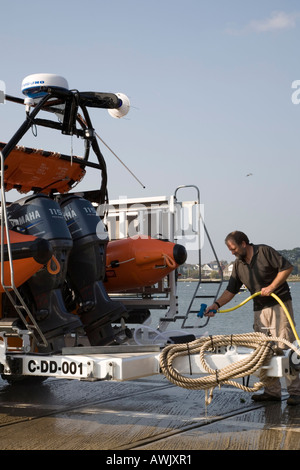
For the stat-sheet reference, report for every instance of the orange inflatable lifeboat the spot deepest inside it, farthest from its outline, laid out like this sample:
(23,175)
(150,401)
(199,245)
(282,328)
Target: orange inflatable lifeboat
(29,254)
(140,261)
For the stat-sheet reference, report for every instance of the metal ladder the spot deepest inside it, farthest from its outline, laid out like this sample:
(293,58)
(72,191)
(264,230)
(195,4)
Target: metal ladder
(192,309)
(10,289)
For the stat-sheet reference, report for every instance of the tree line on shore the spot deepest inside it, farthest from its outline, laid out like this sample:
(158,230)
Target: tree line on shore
(192,271)
(293,256)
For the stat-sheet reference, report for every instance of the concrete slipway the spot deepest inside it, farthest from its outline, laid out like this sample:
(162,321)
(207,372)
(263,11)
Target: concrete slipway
(144,414)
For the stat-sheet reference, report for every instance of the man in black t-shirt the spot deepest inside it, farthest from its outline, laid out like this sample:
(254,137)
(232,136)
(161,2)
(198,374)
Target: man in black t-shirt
(262,269)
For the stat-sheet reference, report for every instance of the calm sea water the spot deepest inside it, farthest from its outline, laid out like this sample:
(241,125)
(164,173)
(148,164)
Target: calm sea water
(236,322)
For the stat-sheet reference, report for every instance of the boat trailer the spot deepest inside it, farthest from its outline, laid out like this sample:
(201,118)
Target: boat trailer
(203,364)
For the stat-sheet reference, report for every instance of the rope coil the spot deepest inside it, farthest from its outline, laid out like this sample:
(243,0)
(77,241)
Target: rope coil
(261,355)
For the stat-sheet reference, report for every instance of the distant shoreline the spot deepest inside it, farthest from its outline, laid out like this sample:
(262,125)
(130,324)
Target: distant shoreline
(214,281)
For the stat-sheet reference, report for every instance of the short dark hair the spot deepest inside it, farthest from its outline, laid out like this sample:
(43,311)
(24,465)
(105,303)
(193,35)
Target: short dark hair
(238,237)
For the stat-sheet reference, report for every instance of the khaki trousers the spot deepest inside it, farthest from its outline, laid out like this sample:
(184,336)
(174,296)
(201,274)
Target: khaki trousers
(273,322)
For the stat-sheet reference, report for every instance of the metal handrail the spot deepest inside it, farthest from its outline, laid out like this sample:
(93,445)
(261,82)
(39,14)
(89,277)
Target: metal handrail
(200,220)
(4,229)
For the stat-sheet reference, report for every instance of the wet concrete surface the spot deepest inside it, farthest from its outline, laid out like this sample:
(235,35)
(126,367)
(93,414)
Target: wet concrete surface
(144,414)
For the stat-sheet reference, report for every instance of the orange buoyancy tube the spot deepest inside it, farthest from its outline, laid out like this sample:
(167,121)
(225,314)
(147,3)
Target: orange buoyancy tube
(140,261)
(29,254)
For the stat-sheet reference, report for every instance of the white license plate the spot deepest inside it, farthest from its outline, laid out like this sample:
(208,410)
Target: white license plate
(58,366)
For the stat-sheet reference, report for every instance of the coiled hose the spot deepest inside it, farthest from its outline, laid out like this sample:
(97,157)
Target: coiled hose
(259,342)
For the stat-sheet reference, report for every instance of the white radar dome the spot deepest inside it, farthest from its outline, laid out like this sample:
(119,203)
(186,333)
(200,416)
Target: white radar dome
(123,109)
(32,84)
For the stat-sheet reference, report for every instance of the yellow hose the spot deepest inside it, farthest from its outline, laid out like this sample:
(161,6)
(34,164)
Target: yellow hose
(278,300)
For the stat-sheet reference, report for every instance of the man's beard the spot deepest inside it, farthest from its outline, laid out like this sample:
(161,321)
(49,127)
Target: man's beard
(242,256)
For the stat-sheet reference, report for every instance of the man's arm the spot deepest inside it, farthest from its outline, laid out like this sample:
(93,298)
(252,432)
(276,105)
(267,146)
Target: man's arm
(279,279)
(224,299)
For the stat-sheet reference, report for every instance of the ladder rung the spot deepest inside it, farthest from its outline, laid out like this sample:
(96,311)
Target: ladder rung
(177,317)
(204,297)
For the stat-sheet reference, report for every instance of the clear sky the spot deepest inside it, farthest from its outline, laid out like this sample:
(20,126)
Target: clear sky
(210,85)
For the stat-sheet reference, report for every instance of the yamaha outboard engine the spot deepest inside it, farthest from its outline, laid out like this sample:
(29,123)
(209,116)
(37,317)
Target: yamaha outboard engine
(42,217)
(86,270)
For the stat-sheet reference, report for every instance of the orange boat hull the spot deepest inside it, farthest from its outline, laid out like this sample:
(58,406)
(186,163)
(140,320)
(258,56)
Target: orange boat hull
(24,255)
(137,262)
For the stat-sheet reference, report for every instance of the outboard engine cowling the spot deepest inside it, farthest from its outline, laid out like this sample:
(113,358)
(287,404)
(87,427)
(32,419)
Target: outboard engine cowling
(86,270)
(42,217)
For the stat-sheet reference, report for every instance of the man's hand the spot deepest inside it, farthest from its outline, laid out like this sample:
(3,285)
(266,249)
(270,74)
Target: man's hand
(279,279)
(210,311)
(265,291)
